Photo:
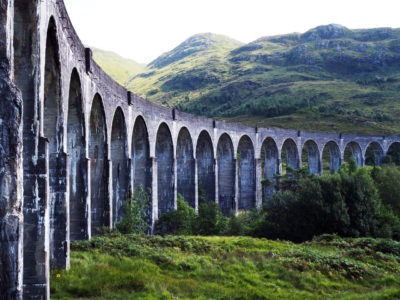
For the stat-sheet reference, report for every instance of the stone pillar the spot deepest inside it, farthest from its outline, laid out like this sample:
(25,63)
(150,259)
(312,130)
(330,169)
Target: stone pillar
(175,180)
(154,192)
(216,181)
(258,185)
(59,217)
(236,198)
(110,195)
(196,185)
(88,198)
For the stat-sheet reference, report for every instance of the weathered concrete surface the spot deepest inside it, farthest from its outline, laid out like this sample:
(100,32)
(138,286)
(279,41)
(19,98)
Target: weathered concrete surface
(11,217)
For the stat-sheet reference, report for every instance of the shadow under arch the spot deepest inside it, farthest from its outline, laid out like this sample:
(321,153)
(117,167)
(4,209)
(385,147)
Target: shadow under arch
(165,169)
(205,167)
(373,154)
(311,157)
(246,174)
(120,165)
(226,174)
(185,167)
(353,150)
(270,167)
(331,160)
(141,161)
(289,156)
(393,154)
(76,142)
(99,167)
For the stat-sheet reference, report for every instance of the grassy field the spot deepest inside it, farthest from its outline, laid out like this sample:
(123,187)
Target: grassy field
(177,267)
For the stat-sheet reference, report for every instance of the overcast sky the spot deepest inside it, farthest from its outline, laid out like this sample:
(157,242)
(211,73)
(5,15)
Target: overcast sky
(144,29)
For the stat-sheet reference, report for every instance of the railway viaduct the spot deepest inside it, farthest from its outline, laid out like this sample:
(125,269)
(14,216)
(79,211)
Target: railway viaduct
(73,142)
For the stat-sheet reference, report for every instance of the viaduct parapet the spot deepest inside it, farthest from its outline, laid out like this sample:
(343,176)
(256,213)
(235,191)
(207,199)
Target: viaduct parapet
(73,143)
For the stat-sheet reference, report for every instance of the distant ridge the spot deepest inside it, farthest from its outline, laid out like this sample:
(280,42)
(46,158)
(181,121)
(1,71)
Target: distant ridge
(329,78)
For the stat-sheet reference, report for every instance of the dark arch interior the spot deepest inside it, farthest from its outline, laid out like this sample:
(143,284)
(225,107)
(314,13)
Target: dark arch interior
(226,174)
(310,157)
(393,154)
(120,169)
(141,163)
(374,154)
(53,131)
(77,161)
(185,167)
(289,156)
(270,166)
(100,207)
(247,174)
(331,157)
(205,167)
(165,169)
(353,150)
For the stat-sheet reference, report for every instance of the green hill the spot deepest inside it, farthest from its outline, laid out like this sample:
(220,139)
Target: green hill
(119,68)
(330,78)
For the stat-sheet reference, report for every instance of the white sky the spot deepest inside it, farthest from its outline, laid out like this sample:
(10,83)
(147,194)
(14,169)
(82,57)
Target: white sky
(144,29)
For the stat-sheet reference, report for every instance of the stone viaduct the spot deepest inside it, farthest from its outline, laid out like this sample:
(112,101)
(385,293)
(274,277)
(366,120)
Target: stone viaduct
(73,142)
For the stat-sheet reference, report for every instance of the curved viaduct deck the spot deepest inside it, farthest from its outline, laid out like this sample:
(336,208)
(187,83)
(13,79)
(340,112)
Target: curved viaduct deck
(87,141)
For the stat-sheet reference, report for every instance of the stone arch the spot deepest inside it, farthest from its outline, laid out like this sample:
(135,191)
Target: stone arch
(270,165)
(246,174)
(120,169)
(393,153)
(226,174)
(57,162)
(311,157)
(165,169)
(373,154)
(353,149)
(141,162)
(185,166)
(289,155)
(99,167)
(331,157)
(76,142)
(205,167)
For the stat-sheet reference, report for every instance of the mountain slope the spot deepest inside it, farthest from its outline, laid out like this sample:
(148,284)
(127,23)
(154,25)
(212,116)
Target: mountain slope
(329,78)
(119,68)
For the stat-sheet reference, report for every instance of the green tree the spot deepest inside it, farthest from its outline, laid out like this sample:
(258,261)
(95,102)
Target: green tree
(137,214)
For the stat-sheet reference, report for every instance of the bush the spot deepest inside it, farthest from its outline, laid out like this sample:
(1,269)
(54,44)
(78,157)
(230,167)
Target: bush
(180,221)
(210,220)
(137,214)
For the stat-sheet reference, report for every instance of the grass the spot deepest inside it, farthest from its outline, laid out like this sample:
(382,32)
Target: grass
(177,267)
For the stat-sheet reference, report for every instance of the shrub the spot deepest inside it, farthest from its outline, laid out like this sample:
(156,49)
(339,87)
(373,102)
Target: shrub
(137,214)
(180,221)
(210,220)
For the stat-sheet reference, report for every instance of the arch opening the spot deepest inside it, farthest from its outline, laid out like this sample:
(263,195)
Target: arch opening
(270,167)
(289,156)
(353,150)
(205,167)
(393,154)
(100,208)
(57,161)
(311,157)
(226,174)
(141,162)
(165,170)
(374,154)
(185,167)
(120,169)
(246,174)
(331,157)
(77,162)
